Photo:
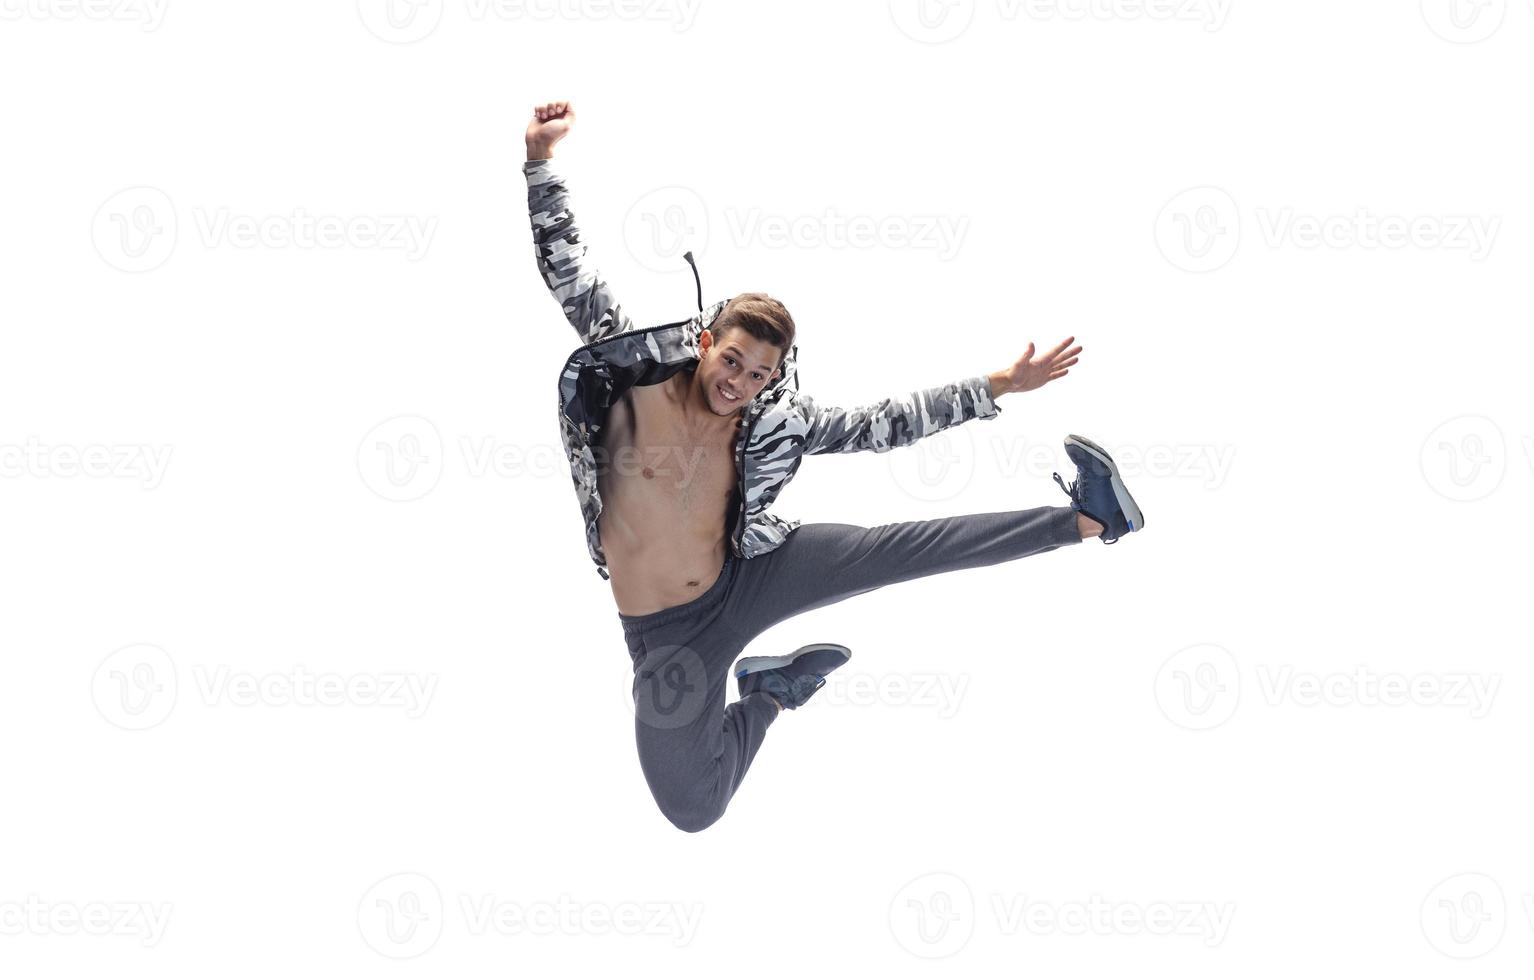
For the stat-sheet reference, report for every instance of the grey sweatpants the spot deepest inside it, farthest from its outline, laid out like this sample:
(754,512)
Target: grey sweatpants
(693,749)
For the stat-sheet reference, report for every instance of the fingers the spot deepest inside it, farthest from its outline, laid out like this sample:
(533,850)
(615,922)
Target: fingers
(1028,354)
(1059,374)
(552,110)
(1059,347)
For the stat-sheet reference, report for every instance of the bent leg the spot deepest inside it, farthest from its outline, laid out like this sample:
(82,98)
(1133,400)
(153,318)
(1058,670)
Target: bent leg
(694,750)
(820,564)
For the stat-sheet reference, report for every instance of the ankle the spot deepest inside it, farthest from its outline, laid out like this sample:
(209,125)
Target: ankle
(1088,527)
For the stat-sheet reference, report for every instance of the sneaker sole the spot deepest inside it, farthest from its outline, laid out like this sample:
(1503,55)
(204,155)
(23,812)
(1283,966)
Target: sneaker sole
(749,665)
(1120,492)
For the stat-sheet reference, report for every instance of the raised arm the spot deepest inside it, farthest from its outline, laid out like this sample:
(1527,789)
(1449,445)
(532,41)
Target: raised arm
(582,293)
(903,420)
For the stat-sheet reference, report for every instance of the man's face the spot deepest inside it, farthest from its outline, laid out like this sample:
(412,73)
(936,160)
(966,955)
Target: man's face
(736,364)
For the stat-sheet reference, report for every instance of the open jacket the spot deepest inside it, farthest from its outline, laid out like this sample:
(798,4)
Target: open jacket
(778,427)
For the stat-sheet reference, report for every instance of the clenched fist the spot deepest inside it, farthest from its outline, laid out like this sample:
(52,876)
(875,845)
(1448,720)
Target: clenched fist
(550,124)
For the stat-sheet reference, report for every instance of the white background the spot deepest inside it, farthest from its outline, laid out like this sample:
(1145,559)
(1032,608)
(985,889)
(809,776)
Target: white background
(1189,721)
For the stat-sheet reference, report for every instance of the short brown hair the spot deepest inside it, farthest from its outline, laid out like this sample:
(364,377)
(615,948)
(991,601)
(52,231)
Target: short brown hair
(759,315)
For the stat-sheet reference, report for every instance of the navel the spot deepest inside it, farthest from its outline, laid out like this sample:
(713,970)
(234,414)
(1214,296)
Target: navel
(649,474)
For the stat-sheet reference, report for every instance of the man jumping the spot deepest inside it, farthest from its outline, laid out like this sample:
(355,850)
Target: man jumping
(680,437)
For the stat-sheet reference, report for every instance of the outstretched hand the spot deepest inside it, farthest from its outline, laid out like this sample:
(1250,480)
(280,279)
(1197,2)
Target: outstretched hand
(1032,372)
(551,123)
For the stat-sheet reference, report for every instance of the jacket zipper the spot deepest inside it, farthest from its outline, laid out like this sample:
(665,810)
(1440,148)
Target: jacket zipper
(740,524)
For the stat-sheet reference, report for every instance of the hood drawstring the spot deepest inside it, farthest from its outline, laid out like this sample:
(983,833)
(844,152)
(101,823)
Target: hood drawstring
(695,277)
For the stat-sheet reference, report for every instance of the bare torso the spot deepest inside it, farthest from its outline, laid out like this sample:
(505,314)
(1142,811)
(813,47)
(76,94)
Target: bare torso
(667,489)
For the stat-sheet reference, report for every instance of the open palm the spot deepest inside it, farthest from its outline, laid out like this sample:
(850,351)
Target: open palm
(1032,372)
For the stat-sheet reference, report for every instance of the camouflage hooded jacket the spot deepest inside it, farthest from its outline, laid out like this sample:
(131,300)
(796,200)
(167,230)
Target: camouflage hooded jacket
(779,426)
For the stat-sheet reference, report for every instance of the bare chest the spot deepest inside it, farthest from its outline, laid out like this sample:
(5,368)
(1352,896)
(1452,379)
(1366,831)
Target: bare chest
(655,463)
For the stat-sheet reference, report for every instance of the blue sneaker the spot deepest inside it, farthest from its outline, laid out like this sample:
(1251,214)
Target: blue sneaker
(1097,490)
(791,679)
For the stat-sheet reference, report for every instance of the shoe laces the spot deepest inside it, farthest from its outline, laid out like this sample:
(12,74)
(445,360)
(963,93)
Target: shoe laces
(1070,491)
(1076,499)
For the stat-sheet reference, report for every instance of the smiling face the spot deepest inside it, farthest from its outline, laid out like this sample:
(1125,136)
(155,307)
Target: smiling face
(734,364)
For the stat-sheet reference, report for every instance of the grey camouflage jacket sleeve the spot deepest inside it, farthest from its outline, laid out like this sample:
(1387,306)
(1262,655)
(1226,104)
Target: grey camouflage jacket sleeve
(897,421)
(561,251)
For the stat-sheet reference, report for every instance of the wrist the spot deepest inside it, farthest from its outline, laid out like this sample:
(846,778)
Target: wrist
(999,384)
(539,151)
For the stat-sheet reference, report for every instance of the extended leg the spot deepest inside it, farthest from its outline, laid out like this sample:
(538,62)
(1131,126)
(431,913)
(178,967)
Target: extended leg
(821,564)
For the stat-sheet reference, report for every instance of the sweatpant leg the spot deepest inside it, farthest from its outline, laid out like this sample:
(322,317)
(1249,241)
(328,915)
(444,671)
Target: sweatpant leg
(693,748)
(820,564)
